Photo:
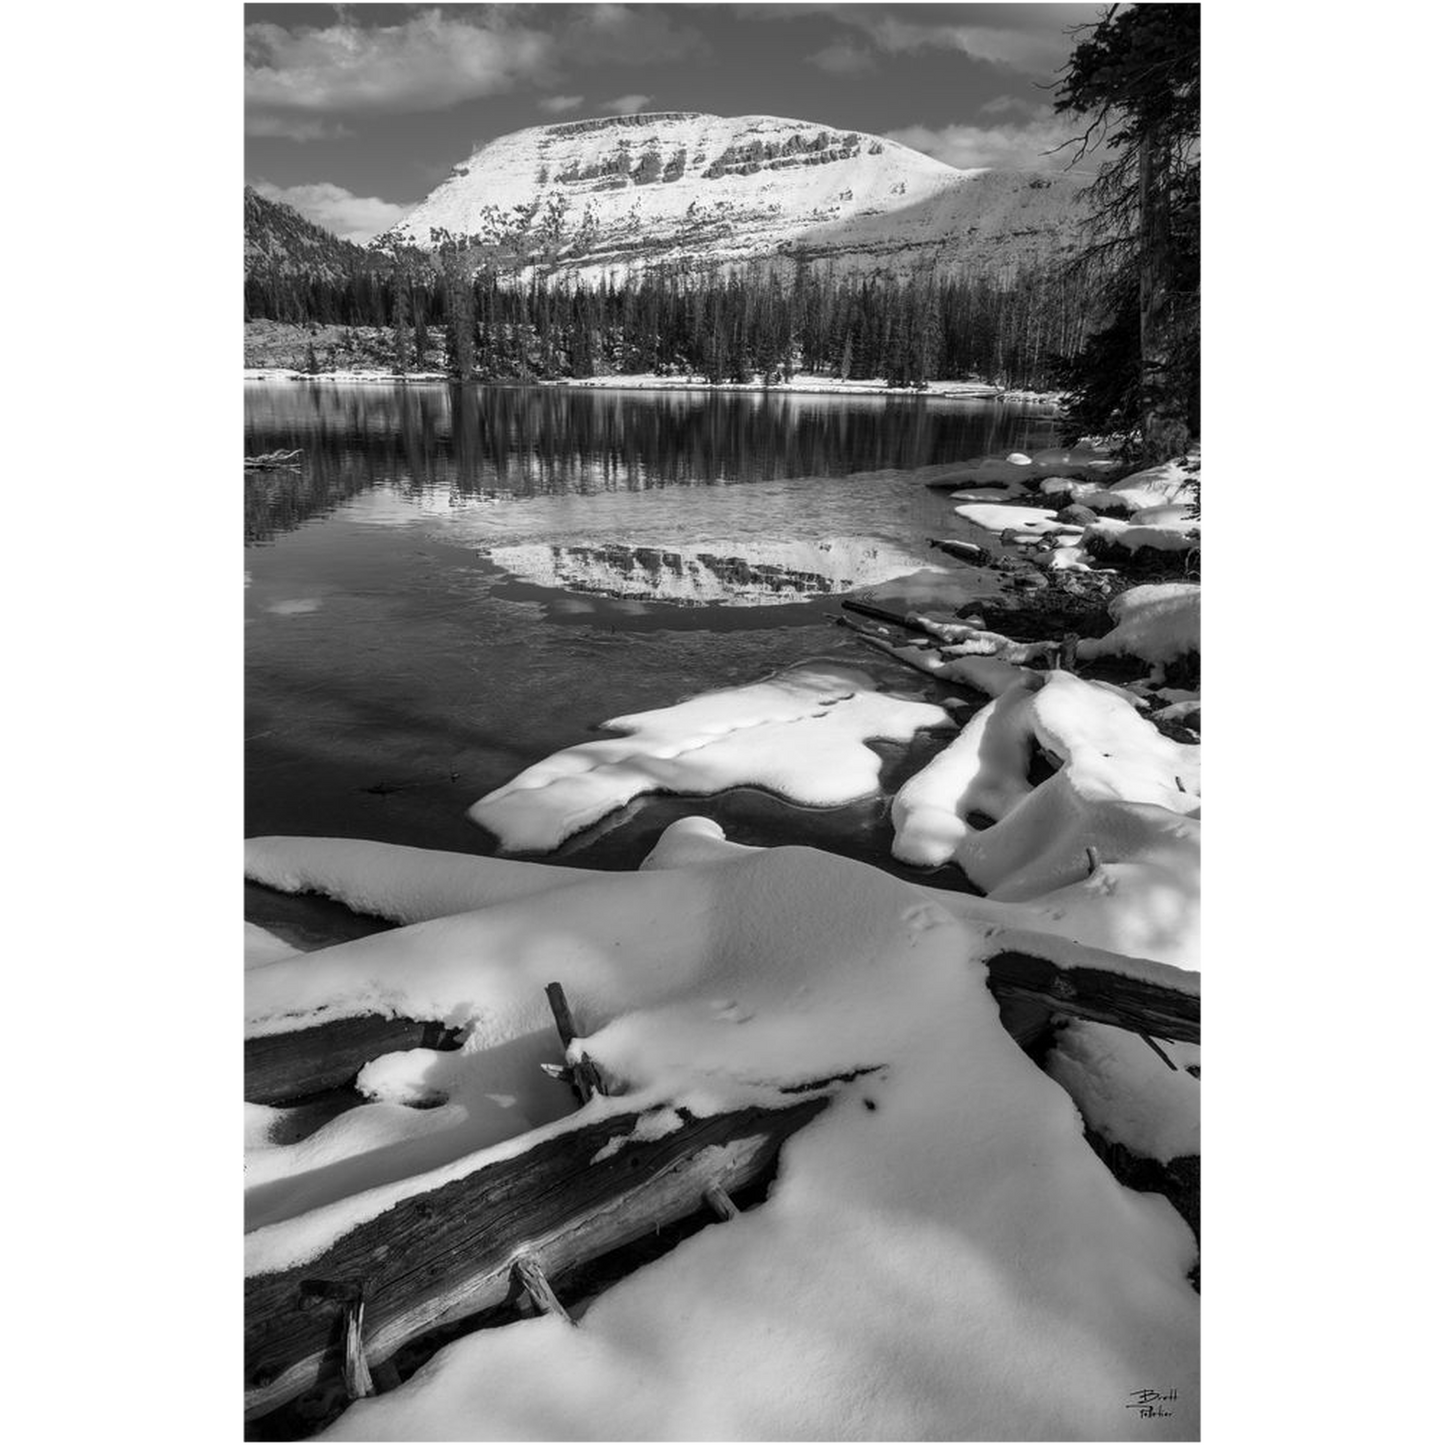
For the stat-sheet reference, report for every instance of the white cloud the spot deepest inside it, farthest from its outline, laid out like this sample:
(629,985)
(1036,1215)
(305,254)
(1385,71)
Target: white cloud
(439,57)
(429,63)
(353,218)
(626,104)
(556,104)
(1022,147)
(842,57)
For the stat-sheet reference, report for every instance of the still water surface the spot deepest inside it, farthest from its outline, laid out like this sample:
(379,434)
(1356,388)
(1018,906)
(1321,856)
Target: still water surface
(457,582)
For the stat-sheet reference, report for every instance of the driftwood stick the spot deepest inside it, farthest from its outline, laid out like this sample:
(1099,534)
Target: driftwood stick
(892,649)
(867,609)
(534,1280)
(562,1013)
(720,1202)
(964,551)
(1158,1051)
(882,638)
(584,1076)
(1092,993)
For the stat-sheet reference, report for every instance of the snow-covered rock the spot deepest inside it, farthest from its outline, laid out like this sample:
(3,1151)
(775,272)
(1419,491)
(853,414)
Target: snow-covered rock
(1107,848)
(1155,623)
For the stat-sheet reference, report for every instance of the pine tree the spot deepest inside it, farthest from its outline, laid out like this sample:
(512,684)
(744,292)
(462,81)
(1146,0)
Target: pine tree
(419,337)
(400,287)
(1136,75)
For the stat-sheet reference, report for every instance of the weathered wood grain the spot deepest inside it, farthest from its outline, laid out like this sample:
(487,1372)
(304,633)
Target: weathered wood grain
(286,1067)
(1092,993)
(450,1252)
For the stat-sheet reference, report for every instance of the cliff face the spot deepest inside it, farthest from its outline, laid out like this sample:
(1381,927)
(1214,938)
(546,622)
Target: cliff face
(602,197)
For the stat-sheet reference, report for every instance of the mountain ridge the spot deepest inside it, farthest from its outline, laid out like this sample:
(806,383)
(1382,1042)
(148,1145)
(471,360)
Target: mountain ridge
(280,240)
(602,197)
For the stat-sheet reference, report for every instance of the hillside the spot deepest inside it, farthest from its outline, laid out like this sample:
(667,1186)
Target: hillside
(282,242)
(599,198)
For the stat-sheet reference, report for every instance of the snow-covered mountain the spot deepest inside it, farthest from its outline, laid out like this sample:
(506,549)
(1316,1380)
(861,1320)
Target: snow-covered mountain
(603,197)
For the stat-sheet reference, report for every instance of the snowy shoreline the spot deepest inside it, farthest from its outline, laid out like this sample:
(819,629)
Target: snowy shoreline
(720,976)
(800,385)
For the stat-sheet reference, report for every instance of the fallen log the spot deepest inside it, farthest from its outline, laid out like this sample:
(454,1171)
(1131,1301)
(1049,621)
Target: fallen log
(1096,994)
(285,1068)
(882,614)
(452,1252)
(964,551)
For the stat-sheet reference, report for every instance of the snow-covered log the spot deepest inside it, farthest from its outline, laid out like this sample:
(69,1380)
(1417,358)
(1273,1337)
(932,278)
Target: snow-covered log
(1139,1005)
(283,1068)
(450,1252)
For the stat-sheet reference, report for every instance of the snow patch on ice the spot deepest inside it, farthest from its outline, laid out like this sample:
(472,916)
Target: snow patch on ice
(801,733)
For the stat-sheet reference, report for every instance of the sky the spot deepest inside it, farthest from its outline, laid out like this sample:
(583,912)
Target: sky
(354,113)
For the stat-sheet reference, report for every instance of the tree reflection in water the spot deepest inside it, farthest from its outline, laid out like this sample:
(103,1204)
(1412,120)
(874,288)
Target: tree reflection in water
(465,443)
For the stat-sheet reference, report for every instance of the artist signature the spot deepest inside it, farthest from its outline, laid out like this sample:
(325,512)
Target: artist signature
(1152,1404)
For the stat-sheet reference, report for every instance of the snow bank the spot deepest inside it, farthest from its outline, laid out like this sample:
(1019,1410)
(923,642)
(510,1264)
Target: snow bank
(1126,1092)
(387,880)
(263,947)
(1171,536)
(1155,623)
(801,733)
(360,374)
(1171,483)
(1107,846)
(941,1257)
(809,383)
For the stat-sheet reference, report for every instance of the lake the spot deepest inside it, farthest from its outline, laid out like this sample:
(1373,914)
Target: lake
(459,581)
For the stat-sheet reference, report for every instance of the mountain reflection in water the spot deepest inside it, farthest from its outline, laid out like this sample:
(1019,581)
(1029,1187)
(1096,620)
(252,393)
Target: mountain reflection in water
(733,573)
(464,444)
